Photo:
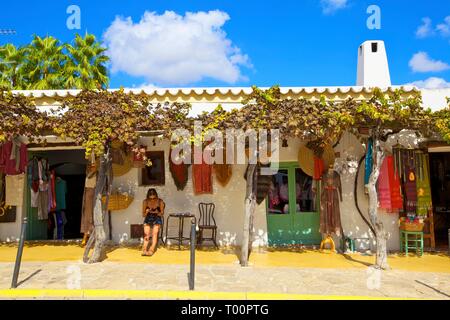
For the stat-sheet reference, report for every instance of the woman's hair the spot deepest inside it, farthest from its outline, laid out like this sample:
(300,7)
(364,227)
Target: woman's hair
(151,192)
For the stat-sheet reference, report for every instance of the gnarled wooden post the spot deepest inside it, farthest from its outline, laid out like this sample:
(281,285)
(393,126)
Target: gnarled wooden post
(380,232)
(103,187)
(250,207)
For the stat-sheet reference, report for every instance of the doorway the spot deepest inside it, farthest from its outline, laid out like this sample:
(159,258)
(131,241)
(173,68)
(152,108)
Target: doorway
(70,171)
(440,192)
(293,208)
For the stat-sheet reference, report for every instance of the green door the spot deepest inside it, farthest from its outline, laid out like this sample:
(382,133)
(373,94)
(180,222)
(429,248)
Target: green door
(292,207)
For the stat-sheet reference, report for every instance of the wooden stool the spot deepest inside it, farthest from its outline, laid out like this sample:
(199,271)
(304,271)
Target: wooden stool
(417,241)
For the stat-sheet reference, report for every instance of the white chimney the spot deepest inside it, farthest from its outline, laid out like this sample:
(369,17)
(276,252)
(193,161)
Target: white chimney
(373,69)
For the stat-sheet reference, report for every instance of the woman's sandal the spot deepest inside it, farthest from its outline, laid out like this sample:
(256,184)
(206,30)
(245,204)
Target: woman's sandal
(145,254)
(150,253)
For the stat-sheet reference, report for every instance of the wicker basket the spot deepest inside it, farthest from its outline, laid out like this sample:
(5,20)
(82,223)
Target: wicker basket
(118,201)
(411,226)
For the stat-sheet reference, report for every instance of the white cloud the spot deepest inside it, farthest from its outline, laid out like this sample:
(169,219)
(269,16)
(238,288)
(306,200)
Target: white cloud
(431,83)
(331,6)
(444,28)
(172,49)
(421,62)
(425,30)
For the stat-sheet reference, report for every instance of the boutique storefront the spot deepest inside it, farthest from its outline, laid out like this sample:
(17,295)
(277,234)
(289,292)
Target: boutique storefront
(291,203)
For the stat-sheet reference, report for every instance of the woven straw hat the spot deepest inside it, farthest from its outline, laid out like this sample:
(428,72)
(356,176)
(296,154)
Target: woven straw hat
(328,155)
(120,170)
(306,160)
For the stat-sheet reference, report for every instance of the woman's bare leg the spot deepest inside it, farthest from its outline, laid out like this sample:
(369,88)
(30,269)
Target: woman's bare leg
(155,232)
(146,238)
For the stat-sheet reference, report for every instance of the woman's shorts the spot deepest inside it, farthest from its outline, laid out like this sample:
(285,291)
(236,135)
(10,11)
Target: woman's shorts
(153,220)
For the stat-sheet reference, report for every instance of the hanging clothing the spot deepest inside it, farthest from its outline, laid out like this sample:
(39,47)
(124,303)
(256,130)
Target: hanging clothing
(34,198)
(14,190)
(330,216)
(179,173)
(389,189)
(424,202)
(61,191)
(59,224)
(202,177)
(43,204)
(33,174)
(13,157)
(2,179)
(409,181)
(223,173)
(319,167)
(52,189)
(368,161)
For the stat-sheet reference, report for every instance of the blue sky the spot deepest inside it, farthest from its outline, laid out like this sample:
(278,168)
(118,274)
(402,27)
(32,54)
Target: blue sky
(241,43)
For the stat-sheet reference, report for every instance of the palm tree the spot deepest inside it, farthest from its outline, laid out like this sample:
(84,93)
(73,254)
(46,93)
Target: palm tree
(11,66)
(44,66)
(86,68)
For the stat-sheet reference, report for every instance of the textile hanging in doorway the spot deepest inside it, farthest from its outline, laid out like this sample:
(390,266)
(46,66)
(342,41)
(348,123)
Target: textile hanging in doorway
(61,191)
(368,162)
(409,181)
(424,202)
(389,189)
(15,185)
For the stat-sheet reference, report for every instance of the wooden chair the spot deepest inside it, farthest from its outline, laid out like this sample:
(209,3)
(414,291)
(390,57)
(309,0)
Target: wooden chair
(428,232)
(207,222)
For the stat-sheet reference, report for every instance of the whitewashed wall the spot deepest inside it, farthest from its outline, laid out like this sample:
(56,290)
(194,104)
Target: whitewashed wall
(230,201)
(10,231)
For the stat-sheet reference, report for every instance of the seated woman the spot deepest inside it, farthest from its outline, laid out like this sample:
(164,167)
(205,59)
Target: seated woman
(153,212)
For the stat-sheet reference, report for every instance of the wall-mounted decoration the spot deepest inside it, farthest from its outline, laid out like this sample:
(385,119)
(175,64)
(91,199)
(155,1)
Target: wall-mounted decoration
(7,213)
(179,173)
(154,174)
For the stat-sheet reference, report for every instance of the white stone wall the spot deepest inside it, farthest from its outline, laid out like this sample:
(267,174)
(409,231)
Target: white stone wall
(10,231)
(229,201)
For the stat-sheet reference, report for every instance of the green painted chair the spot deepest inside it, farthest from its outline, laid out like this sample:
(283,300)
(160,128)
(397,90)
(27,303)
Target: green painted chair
(411,240)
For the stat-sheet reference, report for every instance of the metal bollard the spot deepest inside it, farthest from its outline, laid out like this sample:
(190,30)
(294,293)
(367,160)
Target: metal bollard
(19,253)
(192,268)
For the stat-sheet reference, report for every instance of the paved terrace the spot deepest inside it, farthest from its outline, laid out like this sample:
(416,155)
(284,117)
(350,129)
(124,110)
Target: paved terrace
(56,271)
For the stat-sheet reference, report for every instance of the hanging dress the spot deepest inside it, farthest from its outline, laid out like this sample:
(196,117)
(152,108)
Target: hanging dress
(368,162)
(424,203)
(389,193)
(330,216)
(409,181)
(179,173)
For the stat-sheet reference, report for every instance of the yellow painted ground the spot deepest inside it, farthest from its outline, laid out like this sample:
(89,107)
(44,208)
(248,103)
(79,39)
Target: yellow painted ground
(271,258)
(182,295)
